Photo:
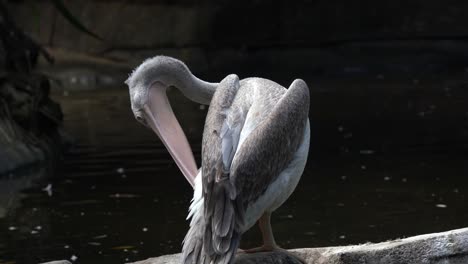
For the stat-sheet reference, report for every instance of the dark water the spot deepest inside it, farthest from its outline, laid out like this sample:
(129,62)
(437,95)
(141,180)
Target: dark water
(118,197)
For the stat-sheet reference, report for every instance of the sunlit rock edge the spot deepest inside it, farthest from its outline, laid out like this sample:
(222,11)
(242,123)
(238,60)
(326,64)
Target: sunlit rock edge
(449,247)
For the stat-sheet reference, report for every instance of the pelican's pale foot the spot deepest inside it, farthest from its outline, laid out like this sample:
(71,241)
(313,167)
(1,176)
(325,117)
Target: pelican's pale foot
(269,243)
(270,248)
(263,248)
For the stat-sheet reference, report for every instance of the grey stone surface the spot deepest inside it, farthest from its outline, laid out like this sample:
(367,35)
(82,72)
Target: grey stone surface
(438,248)
(57,262)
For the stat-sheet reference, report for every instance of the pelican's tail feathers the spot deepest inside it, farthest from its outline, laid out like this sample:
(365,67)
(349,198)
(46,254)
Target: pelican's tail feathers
(222,235)
(192,250)
(228,256)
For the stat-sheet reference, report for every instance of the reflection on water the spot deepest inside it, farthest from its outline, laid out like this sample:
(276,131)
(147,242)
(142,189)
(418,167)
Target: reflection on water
(118,196)
(12,184)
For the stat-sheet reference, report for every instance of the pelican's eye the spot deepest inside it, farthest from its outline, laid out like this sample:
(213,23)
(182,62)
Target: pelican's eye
(140,118)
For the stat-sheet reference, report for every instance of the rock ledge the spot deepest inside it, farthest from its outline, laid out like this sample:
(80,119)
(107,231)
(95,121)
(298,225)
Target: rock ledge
(449,247)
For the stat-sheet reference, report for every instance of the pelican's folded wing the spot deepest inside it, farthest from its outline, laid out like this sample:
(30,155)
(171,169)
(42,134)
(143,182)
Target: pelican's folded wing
(268,149)
(220,139)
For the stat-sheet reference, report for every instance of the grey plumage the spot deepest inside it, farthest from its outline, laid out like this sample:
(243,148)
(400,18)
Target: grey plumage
(218,192)
(169,72)
(254,150)
(236,176)
(192,249)
(212,236)
(270,147)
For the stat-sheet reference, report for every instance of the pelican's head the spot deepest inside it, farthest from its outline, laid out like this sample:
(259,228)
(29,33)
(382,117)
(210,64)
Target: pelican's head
(152,74)
(147,85)
(139,98)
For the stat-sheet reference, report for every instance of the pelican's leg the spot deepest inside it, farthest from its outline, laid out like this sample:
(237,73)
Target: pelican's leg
(269,243)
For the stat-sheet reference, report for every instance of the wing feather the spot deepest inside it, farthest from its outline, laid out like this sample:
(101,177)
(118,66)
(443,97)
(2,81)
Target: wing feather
(270,147)
(233,175)
(220,138)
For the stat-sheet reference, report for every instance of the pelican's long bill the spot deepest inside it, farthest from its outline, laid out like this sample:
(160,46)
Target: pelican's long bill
(161,119)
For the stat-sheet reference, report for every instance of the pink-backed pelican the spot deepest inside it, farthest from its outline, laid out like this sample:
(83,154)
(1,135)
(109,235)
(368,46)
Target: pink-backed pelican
(254,150)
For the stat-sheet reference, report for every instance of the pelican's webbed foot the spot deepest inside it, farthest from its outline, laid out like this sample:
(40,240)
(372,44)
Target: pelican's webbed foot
(272,248)
(269,243)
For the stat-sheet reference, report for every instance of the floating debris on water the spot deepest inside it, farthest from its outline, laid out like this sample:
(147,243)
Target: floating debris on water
(38,227)
(12,228)
(100,237)
(73,258)
(342,237)
(386,178)
(404,180)
(33,232)
(363,167)
(441,205)
(289,216)
(144,229)
(120,170)
(48,189)
(123,195)
(123,247)
(81,202)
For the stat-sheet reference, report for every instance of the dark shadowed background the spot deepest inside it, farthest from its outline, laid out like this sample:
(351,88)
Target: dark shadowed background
(389,120)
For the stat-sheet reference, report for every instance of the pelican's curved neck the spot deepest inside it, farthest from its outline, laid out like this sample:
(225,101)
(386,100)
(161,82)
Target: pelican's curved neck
(197,90)
(173,72)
